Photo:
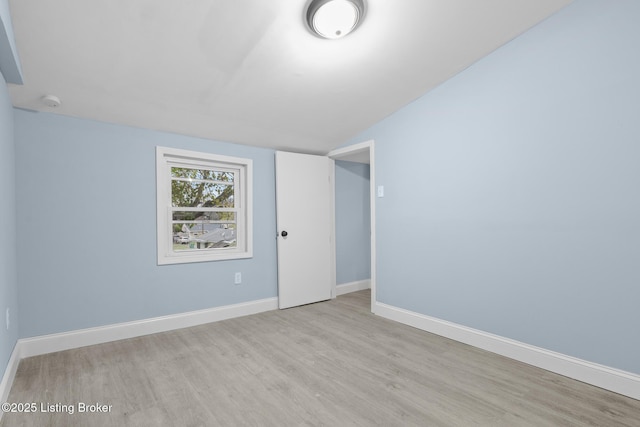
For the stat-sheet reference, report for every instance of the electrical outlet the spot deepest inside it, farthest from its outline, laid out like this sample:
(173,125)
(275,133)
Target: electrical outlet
(238,278)
(7,318)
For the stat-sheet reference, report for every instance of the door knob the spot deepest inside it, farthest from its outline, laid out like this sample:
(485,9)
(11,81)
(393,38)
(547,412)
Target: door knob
(284,233)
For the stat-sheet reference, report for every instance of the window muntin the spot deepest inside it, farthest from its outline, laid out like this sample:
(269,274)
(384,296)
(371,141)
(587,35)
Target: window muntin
(207,203)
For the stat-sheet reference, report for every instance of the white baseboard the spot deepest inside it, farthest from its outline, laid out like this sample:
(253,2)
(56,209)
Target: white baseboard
(615,380)
(9,375)
(359,285)
(67,340)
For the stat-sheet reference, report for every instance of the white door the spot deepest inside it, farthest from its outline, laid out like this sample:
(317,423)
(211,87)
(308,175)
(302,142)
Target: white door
(303,203)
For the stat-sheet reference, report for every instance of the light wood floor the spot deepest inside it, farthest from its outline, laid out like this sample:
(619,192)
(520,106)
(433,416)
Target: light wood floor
(329,364)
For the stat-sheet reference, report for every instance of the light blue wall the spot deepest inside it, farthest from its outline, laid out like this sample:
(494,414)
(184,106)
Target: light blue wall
(517,185)
(353,224)
(8,272)
(86,204)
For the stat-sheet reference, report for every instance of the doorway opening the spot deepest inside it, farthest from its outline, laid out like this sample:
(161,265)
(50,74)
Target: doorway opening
(356,164)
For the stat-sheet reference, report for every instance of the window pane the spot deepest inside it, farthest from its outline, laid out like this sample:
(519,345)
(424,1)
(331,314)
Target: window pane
(205,236)
(202,174)
(201,194)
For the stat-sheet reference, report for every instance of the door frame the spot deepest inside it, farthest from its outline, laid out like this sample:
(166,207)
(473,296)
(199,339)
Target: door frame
(357,152)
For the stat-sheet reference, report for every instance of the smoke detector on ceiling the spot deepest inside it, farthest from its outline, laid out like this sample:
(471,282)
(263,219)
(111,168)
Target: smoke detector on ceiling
(51,101)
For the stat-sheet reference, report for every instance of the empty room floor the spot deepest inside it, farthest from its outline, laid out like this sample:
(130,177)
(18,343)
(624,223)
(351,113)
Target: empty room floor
(331,363)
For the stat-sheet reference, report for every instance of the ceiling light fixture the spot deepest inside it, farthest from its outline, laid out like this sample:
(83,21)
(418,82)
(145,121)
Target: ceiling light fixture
(333,19)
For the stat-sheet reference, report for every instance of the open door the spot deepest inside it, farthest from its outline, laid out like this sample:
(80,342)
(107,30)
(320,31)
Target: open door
(304,222)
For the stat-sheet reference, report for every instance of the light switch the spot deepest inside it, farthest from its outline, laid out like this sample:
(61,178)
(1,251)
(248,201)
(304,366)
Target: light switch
(380,191)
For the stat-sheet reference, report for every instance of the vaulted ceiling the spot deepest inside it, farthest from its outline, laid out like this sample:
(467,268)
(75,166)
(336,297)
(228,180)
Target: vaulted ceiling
(249,71)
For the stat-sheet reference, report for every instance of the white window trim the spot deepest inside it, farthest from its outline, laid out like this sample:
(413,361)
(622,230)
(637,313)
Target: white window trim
(166,255)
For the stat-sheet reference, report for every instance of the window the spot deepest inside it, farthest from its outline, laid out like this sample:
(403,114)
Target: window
(204,206)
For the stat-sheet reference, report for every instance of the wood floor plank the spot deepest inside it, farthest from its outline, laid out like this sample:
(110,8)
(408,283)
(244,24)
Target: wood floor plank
(325,364)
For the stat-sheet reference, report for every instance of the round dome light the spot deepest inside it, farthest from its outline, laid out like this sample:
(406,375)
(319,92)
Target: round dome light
(333,19)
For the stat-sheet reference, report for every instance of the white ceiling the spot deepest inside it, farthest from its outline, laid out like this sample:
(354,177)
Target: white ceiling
(249,71)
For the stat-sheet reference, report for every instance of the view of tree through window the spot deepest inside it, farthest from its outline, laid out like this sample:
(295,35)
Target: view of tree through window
(203,208)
